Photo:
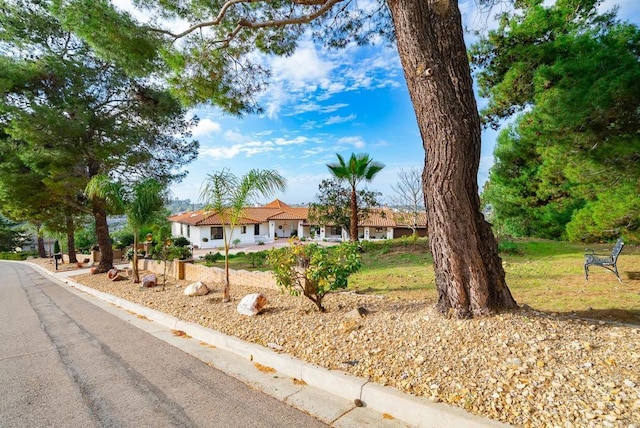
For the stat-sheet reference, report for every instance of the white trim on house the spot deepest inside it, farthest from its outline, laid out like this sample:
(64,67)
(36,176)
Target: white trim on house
(277,220)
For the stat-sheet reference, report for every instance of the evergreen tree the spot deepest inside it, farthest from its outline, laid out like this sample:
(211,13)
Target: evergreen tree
(70,116)
(572,75)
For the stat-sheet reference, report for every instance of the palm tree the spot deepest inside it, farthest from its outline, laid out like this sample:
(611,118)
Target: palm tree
(227,194)
(360,167)
(141,203)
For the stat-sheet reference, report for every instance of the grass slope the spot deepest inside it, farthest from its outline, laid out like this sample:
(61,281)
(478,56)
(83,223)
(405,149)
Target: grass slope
(545,275)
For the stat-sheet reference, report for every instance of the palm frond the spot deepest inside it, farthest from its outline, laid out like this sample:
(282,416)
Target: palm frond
(112,193)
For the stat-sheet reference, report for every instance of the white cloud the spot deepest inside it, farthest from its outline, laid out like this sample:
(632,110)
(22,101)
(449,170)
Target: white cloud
(315,107)
(234,136)
(333,120)
(301,68)
(294,142)
(316,151)
(206,127)
(250,148)
(356,142)
(275,97)
(221,152)
(303,82)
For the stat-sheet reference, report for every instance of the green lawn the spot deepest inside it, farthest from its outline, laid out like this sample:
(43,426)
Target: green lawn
(546,275)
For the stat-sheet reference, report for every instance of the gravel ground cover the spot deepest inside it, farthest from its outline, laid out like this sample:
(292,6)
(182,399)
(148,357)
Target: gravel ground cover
(526,368)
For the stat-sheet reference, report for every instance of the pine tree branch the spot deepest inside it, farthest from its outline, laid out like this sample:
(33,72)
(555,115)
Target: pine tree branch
(326,5)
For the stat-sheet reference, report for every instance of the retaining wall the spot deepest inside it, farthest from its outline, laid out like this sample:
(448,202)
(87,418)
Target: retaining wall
(211,275)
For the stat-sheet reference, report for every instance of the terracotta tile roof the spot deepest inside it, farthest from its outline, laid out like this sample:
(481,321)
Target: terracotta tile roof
(278,210)
(378,218)
(260,214)
(275,210)
(216,220)
(192,218)
(291,214)
(276,203)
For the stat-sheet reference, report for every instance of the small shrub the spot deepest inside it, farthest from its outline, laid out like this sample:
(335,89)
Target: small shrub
(312,270)
(405,241)
(386,247)
(260,242)
(213,257)
(258,259)
(14,256)
(181,241)
(367,246)
(205,239)
(123,240)
(181,253)
(509,247)
(236,242)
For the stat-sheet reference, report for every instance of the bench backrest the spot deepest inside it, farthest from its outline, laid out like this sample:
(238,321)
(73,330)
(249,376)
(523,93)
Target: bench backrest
(617,249)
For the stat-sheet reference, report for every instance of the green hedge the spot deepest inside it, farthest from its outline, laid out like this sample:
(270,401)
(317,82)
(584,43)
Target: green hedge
(14,256)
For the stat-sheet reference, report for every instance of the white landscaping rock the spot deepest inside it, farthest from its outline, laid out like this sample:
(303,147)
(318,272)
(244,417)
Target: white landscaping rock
(196,289)
(252,304)
(149,280)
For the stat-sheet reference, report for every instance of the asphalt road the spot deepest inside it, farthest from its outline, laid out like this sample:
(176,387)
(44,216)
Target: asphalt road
(67,363)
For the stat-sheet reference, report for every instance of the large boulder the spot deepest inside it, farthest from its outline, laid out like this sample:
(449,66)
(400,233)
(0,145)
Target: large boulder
(196,289)
(149,280)
(252,304)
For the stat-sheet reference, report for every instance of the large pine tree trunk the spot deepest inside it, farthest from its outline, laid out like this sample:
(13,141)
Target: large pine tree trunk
(102,232)
(469,274)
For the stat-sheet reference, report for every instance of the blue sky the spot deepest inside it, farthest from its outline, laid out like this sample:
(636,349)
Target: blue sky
(324,102)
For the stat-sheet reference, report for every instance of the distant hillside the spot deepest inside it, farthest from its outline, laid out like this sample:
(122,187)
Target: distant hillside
(176,206)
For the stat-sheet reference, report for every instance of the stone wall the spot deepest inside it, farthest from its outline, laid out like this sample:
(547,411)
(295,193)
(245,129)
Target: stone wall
(94,257)
(212,275)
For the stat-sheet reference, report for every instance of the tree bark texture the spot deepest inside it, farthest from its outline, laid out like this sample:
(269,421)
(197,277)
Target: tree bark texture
(102,232)
(469,276)
(71,244)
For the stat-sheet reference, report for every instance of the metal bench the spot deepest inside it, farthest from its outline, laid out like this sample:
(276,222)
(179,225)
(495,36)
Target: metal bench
(607,262)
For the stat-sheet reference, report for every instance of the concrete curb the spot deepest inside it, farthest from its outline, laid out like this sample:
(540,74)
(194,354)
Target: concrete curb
(397,407)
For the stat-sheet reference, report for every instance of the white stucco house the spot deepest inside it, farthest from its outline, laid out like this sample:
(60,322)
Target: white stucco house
(277,220)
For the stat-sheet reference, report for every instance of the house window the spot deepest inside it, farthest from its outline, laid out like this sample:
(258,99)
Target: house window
(335,230)
(188,231)
(216,232)
(379,229)
(243,230)
(256,229)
